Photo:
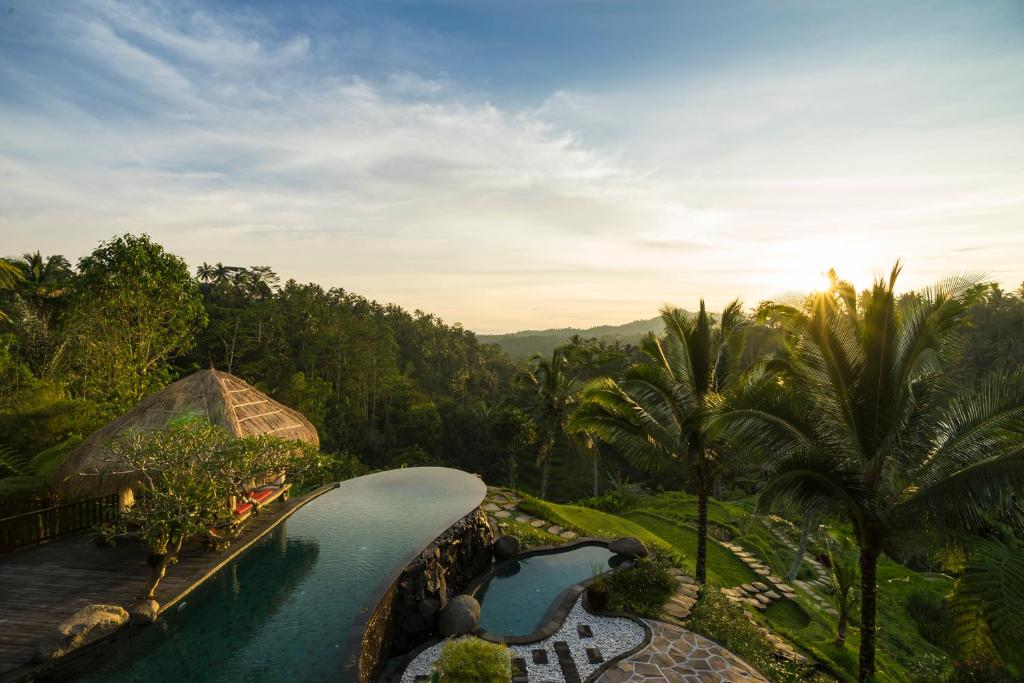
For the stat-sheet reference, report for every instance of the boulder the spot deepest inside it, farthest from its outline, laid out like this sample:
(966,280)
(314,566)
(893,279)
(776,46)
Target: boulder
(506,547)
(628,546)
(144,612)
(459,617)
(88,624)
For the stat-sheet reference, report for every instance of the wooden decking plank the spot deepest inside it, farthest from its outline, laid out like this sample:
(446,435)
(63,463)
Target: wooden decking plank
(43,585)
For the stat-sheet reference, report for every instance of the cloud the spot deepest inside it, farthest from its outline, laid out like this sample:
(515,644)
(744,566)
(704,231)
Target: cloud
(346,158)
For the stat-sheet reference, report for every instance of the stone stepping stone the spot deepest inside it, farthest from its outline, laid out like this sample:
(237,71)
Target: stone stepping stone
(555,530)
(749,587)
(772,595)
(785,588)
(491,507)
(565,661)
(567,535)
(519,670)
(675,610)
(512,507)
(763,572)
(540,656)
(523,519)
(764,600)
(498,498)
(759,587)
(594,655)
(537,523)
(584,631)
(502,514)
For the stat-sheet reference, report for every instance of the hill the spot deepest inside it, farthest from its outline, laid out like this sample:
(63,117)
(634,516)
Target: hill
(528,342)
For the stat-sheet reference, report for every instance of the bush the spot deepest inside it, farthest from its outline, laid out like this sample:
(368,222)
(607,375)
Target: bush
(471,660)
(527,536)
(614,501)
(932,617)
(642,589)
(727,624)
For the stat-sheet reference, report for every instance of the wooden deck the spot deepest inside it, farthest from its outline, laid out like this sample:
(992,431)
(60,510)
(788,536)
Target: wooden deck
(43,585)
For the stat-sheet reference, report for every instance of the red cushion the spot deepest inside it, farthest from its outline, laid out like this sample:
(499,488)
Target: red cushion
(243,509)
(262,494)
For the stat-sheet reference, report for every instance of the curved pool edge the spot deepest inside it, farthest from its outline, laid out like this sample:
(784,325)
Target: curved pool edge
(354,668)
(554,615)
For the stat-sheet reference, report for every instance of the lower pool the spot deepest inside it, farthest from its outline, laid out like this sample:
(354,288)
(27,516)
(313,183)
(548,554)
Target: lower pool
(283,610)
(514,601)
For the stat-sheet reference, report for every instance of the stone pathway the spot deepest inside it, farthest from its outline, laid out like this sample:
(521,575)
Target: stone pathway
(502,505)
(680,656)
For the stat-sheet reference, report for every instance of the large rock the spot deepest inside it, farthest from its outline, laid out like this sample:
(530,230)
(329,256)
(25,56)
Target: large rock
(88,624)
(459,617)
(506,547)
(628,546)
(144,612)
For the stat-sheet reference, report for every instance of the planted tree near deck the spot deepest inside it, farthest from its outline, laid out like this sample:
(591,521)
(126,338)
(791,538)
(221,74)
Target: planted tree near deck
(187,476)
(860,422)
(657,416)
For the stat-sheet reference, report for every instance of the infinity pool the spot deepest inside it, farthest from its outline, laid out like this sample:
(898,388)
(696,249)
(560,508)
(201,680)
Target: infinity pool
(514,601)
(283,610)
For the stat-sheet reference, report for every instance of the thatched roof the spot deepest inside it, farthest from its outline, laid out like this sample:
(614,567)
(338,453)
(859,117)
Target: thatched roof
(224,399)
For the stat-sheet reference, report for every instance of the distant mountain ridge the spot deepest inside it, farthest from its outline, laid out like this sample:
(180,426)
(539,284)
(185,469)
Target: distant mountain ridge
(525,343)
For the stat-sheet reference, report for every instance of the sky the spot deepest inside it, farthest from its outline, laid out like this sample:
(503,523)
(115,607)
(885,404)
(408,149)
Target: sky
(527,164)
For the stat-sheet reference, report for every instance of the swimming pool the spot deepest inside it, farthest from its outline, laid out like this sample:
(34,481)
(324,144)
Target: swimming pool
(515,600)
(284,609)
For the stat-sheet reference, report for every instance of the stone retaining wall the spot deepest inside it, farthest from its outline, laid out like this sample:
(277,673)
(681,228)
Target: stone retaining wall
(408,610)
(440,572)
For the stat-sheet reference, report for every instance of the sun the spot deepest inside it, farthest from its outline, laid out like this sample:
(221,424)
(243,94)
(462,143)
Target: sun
(805,264)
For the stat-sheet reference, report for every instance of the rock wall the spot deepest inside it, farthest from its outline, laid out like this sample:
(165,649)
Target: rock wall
(440,572)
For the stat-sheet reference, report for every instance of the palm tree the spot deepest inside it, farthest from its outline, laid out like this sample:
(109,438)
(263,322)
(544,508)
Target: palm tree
(858,423)
(10,276)
(843,569)
(657,415)
(555,392)
(222,273)
(205,272)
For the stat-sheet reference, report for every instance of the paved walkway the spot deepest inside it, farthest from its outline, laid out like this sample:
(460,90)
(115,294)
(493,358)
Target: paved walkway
(680,656)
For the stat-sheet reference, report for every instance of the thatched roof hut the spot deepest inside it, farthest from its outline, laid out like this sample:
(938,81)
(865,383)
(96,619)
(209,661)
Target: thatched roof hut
(220,397)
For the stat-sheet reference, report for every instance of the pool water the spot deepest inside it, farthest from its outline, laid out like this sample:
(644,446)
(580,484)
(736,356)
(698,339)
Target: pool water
(283,610)
(514,601)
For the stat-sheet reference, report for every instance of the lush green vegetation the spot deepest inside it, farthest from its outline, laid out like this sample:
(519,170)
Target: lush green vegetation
(471,660)
(915,450)
(641,589)
(723,568)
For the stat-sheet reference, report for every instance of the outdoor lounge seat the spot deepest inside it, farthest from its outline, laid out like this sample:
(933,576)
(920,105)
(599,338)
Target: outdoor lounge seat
(265,495)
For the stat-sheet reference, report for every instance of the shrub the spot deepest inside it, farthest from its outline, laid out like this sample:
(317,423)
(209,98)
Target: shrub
(527,536)
(613,502)
(717,618)
(932,617)
(642,589)
(471,660)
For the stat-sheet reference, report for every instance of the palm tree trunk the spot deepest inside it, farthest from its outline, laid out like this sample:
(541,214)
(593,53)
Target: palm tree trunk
(868,607)
(545,471)
(805,535)
(841,627)
(595,475)
(702,533)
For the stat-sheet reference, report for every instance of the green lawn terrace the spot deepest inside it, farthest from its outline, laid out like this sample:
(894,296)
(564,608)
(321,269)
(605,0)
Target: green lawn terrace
(748,556)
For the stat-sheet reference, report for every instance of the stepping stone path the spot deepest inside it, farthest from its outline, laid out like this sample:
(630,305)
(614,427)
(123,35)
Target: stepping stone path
(501,504)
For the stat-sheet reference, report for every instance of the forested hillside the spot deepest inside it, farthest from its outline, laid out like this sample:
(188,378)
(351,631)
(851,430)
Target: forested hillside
(524,344)
(79,344)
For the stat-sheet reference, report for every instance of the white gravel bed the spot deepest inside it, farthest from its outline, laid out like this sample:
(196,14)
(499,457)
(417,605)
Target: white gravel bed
(613,636)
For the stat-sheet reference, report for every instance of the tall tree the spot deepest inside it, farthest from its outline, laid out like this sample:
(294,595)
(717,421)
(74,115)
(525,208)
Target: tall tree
(859,422)
(555,393)
(135,305)
(658,415)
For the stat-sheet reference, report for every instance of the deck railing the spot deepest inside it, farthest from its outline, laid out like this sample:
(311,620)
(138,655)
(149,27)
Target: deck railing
(60,520)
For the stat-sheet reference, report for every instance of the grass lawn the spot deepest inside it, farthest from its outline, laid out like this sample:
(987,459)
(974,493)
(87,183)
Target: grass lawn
(588,522)
(724,568)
